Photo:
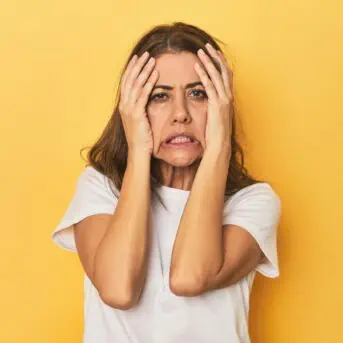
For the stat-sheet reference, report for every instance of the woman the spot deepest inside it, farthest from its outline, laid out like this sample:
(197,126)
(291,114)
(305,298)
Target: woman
(173,258)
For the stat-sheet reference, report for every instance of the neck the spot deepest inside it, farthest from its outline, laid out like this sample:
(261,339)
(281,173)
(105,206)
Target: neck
(179,177)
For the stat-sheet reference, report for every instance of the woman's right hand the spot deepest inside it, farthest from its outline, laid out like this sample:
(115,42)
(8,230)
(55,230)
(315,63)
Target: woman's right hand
(135,91)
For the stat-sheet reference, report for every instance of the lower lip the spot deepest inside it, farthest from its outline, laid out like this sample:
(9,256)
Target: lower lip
(180,145)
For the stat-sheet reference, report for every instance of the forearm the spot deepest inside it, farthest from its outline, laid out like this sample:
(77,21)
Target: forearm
(120,261)
(198,247)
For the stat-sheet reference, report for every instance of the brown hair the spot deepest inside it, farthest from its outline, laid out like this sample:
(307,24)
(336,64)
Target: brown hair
(109,153)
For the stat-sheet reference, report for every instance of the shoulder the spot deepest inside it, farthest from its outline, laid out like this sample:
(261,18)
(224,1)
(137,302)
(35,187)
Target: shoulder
(91,196)
(257,209)
(90,173)
(259,195)
(93,182)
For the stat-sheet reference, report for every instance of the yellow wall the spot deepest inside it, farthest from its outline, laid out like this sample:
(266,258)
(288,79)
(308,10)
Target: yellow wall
(59,66)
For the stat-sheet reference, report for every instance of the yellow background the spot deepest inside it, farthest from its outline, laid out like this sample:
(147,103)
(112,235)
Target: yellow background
(60,64)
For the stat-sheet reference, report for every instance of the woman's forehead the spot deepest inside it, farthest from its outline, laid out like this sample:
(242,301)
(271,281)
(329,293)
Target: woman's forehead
(176,69)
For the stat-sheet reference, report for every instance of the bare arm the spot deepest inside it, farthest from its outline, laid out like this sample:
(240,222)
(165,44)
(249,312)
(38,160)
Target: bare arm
(202,258)
(207,255)
(113,248)
(198,247)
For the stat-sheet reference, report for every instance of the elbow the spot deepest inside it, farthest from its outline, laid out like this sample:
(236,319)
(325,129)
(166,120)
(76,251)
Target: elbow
(121,300)
(186,287)
(121,296)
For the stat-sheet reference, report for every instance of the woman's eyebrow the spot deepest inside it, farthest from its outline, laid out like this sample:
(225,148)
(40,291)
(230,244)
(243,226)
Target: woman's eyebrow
(189,85)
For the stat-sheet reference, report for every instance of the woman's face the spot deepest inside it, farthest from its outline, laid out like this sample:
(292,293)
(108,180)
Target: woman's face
(180,108)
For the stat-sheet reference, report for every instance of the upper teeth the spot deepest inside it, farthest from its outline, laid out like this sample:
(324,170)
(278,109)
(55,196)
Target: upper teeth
(180,139)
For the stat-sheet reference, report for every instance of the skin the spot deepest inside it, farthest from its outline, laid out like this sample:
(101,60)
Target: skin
(178,109)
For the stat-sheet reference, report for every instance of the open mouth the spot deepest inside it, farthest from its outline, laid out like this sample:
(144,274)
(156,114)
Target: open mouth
(180,142)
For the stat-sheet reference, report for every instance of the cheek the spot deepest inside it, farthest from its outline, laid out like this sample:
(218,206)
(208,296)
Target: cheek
(199,115)
(159,114)
(156,125)
(159,110)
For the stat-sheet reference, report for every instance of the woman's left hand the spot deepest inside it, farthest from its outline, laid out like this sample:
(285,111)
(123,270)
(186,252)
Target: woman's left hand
(218,87)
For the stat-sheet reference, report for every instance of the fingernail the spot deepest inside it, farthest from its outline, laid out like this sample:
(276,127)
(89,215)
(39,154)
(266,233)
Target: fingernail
(201,51)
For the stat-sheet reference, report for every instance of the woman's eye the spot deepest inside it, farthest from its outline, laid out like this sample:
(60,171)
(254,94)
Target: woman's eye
(199,93)
(157,96)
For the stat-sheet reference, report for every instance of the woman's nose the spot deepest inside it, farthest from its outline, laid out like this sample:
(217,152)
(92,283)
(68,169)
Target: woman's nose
(180,111)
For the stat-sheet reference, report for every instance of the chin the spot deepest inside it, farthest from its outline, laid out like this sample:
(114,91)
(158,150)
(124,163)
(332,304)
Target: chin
(178,160)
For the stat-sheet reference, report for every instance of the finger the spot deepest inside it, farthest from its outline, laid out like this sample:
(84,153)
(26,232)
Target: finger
(213,73)
(131,77)
(228,75)
(140,81)
(127,71)
(223,65)
(206,81)
(144,96)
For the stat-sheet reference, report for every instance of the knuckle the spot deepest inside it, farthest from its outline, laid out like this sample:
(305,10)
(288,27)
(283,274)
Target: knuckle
(141,78)
(148,85)
(210,85)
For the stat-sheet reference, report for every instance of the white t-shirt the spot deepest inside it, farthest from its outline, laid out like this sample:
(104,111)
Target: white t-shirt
(217,316)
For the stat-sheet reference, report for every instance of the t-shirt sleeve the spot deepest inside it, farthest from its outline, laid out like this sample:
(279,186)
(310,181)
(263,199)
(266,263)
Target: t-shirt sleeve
(92,195)
(257,209)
